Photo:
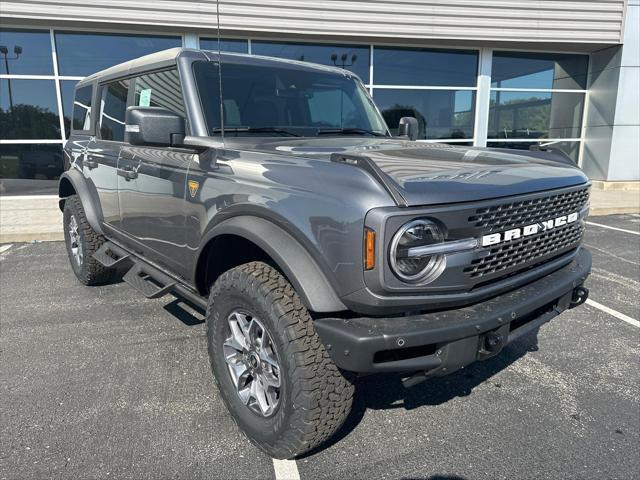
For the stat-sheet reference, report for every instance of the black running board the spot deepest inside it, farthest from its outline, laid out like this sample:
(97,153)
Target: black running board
(111,255)
(144,277)
(152,283)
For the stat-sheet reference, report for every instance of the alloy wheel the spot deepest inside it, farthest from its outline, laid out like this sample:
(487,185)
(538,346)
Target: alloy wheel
(252,363)
(75,241)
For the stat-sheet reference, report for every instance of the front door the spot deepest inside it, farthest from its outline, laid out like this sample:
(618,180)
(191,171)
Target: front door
(152,180)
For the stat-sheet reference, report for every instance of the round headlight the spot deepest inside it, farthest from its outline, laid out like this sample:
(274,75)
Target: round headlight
(405,258)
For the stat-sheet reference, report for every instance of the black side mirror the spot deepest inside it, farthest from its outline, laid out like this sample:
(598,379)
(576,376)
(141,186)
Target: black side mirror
(408,127)
(155,126)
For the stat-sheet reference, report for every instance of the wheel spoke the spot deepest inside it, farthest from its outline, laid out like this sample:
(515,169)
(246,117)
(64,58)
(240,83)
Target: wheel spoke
(271,379)
(240,375)
(232,344)
(255,333)
(238,331)
(261,396)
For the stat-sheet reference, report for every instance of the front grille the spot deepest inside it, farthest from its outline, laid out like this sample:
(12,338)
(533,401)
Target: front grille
(527,251)
(526,212)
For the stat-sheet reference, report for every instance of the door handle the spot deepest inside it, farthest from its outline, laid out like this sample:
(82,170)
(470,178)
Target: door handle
(90,164)
(128,173)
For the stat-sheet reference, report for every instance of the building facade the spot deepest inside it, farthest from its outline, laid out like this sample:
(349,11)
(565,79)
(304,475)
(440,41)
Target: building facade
(516,74)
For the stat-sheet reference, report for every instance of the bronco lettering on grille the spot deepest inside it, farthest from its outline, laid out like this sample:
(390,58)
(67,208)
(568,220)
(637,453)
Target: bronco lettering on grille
(495,238)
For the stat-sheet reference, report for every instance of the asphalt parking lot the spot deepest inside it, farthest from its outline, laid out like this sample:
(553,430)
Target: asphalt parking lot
(103,383)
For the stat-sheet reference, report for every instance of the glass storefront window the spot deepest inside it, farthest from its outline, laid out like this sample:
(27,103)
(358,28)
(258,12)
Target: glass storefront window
(28,110)
(351,57)
(28,52)
(539,70)
(571,149)
(424,67)
(226,45)
(441,114)
(517,114)
(30,169)
(81,54)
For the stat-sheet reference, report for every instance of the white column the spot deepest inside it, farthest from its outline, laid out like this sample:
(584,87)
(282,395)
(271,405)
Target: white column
(483,97)
(191,40)
(54,59)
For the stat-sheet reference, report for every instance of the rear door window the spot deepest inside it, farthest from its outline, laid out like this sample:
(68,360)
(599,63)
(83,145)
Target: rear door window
(82,109)
(113,107)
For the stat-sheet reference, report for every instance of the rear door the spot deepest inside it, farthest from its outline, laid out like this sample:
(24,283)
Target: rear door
(105,149)
(152,180)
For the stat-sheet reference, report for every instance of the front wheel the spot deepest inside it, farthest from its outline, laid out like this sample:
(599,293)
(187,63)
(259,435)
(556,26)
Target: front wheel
(271,368)
(82,242)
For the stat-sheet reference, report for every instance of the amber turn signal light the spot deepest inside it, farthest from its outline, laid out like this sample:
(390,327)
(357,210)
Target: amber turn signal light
(369,249)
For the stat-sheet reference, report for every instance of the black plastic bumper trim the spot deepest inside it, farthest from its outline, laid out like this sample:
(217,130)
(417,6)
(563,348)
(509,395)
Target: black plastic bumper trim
(458,333)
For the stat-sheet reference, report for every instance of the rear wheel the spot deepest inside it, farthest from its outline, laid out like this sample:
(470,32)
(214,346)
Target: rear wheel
(82,242)
(272,370)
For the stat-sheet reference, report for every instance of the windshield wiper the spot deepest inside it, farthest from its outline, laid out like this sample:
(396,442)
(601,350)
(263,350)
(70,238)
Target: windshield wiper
(281,131)
(349,131)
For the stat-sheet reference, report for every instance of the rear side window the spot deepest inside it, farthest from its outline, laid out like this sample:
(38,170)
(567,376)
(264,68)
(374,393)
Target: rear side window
(113,107)
(82,109)
(159,89)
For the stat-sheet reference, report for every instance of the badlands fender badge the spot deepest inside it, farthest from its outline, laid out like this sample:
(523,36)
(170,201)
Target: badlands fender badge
(496,238)
(193,188)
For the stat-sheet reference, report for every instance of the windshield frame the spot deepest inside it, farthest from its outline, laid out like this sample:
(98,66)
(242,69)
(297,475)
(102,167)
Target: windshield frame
(360,92)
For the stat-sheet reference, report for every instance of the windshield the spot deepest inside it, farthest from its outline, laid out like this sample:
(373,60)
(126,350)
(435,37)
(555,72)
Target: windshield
(268,100)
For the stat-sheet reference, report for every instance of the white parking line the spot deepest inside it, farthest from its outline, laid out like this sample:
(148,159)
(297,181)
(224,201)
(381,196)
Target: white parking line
(286,469)
(610,311)
(4,248)
(612,228)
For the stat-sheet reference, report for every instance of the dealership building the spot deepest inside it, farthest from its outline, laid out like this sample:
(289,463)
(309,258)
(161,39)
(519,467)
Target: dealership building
(558,74)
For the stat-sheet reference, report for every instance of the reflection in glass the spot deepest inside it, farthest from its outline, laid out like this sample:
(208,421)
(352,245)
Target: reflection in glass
(82,108)
(571,149)
(27,52)
(28,109)
(419,66)
(539,70)
(30,169)
(160,89)
(66,90)
(353,58)
(265,100)
(81,54)
(535,114)
(113,106)
(226,45)
(441,114)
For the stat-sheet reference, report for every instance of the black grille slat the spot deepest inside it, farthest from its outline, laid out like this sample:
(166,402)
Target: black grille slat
(520,254)
(526,212)
(526,251)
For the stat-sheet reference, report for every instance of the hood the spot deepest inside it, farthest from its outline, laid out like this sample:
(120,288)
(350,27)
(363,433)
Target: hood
(419,173)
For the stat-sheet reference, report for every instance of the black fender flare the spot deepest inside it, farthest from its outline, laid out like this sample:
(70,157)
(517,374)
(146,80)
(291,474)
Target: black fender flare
(88,196)
(290,256)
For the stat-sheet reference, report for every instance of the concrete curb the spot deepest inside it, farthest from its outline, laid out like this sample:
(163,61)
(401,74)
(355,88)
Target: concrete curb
(598,211)
(25,237)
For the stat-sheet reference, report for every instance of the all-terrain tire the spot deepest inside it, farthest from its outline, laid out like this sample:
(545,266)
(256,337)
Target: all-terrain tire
(88,270)
(315,396)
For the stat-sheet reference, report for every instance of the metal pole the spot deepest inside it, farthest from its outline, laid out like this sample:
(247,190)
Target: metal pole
(6,64)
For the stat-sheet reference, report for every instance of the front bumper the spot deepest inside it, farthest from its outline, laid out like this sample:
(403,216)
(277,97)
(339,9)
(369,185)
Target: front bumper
(439,343)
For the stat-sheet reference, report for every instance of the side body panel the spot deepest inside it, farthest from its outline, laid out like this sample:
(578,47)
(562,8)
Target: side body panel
(324,216)
(152,203)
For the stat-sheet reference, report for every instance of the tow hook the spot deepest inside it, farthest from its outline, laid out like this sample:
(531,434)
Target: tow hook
(580,295)
(493,342)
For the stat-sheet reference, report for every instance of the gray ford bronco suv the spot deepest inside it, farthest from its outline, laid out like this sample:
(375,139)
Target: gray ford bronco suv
(271,194)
